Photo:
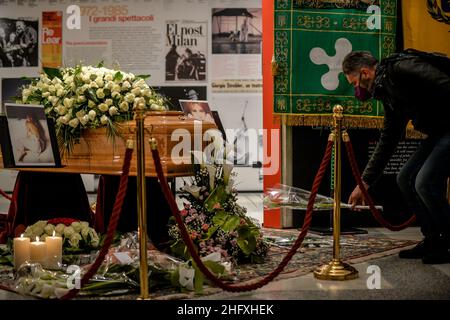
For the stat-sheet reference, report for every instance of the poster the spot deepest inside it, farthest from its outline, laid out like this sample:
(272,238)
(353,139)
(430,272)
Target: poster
(51,49)
(186,50)
(174,94)
(19,42)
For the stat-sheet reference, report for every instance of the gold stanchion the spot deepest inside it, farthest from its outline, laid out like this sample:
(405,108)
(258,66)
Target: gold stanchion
(141,198)
(336,269)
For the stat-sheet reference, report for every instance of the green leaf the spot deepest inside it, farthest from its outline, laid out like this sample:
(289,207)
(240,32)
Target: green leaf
(198,280)
(215,267)
(90,94)
(100,64)
(179,249)
(211,232)
(118,76)
(220,218)
(143,76)
(218,195)
(231,223)
(53,72)
(246,240)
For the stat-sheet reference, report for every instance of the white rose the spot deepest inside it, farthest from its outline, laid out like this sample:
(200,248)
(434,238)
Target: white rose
(109,102)
(56,80)
(99,81)
(84,224)
(104,119)
(52,89)
(81,99)
(26,92)
(115,94)
(68,231)
(46,94)
(100,93)
(124,106)
(126,85)
(116,88)
(139,83)
(58,87)
(44,87)
(60,92)
(68,103)
(103,107)
(92,114)
(84,120)
(61,110)
(80,114)
(113,111)
(108,77)
(76,226)
(86,78)
(66,118)
(74,122)
(91,104)
(60,228)
(93,85)
(69,80)
(146,92)
(129,97)
(85,232)
(74,240)
(136,91)
(139,101)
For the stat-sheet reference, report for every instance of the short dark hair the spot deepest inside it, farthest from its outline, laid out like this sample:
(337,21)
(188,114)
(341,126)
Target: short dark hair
(356,60)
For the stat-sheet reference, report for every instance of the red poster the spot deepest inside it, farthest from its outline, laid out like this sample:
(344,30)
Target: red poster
(51,52)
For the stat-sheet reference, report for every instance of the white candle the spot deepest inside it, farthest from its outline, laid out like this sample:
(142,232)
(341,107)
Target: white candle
(38,252)
(54,251)
(21,251)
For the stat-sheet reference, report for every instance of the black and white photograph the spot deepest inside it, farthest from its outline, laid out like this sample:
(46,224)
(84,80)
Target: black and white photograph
(19,45)
(175,93)
(197,110)
(236,31)
(11,89)
(30,136)
(186,49)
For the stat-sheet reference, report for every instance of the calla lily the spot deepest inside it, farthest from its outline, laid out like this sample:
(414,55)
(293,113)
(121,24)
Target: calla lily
(227,169)
(194,190)
(212,175)
(186,277)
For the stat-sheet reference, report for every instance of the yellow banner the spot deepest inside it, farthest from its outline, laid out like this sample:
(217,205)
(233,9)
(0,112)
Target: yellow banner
(426,25)
(51,50)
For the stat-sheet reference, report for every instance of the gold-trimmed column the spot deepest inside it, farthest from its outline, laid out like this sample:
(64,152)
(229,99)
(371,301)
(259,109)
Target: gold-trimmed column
(141,198)
(336,269)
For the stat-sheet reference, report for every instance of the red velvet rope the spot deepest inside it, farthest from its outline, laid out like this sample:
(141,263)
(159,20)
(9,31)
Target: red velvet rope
(377,215)
(4,194)
(117,209)
(193,252)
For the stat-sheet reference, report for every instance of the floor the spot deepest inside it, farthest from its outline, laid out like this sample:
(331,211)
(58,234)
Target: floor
(400,279)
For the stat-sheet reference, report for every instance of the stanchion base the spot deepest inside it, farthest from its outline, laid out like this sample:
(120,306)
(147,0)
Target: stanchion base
(336,270)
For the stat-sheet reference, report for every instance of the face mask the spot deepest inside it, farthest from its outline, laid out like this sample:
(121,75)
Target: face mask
(362,94)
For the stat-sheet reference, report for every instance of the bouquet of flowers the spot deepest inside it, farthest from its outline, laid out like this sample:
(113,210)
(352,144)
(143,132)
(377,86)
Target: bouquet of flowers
(77,235)
(89,97)
(215,221)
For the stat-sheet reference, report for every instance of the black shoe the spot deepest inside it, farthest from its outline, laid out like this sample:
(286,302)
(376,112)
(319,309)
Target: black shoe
(418,252)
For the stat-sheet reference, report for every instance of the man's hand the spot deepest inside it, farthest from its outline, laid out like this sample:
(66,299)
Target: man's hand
(357,197)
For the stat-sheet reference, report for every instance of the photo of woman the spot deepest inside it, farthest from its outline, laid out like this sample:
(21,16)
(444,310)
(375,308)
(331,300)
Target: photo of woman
(196,109)
(29,134)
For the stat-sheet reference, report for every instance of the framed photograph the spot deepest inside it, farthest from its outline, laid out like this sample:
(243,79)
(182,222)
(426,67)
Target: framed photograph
(197,109)
(32,136)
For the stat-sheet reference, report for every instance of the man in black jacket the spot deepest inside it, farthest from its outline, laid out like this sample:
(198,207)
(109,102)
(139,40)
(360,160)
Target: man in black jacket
(413,86)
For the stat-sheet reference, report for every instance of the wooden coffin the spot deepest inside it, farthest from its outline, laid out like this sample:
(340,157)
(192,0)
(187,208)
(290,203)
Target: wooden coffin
(95,154)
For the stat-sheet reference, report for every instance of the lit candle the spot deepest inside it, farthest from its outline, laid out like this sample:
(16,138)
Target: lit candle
(38,252)
(21,250)
(54,251)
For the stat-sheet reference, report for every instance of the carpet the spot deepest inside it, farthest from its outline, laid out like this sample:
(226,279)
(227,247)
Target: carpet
(315,251)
